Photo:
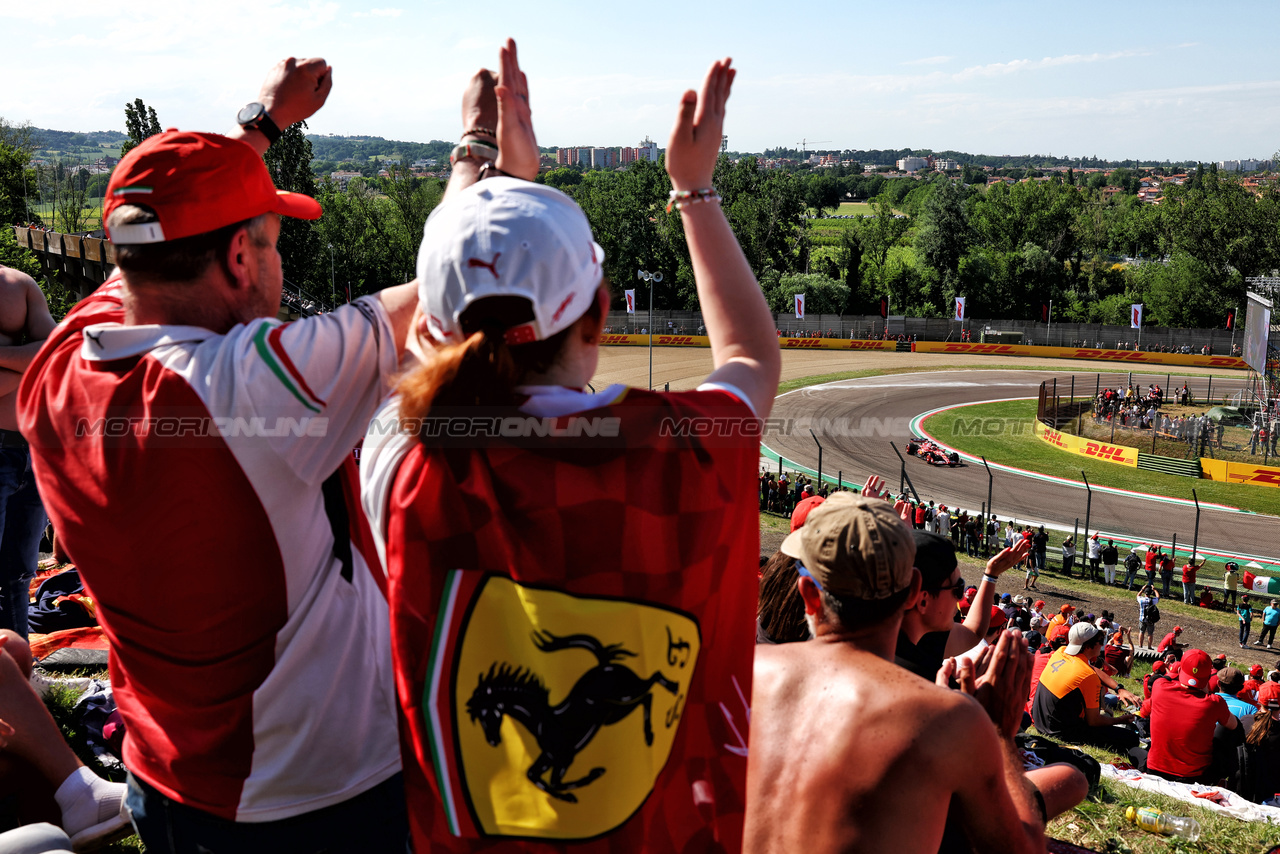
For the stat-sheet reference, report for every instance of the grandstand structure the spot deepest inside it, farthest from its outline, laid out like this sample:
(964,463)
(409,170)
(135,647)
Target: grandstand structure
(81,262)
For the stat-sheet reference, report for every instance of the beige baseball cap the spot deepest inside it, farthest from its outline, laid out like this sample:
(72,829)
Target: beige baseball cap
(855,548)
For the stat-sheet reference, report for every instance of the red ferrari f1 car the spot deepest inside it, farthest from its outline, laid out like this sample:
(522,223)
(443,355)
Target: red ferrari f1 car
(932,453)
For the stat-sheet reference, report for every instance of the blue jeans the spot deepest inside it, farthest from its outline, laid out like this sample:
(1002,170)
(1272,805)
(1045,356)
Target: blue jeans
(22,521)
(1244,633)
(375,821)
(1189,592)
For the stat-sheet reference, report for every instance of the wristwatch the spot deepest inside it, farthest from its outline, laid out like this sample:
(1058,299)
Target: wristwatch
(254,116)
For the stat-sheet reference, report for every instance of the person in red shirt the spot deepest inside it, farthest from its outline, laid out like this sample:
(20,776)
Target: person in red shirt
(1114,652)
(1189,570)
(1251,685)
(920,516)
(574,665)
(1183,716)
(1170,643)
(1157,672)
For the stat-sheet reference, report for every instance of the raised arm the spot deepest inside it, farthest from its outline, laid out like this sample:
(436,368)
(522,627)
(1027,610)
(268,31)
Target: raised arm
(294,90)
(974,628)
(744,346)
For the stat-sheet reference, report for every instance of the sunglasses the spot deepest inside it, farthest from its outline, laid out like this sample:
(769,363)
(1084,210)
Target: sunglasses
(957,589)
(804,570)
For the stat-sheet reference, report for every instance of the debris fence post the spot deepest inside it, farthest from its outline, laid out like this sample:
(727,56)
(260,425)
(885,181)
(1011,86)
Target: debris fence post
(819,444)
(1195,538)
(989,507)
(1088,502)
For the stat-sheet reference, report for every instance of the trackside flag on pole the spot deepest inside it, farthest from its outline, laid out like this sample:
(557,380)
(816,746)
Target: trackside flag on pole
(631,301)
(1231,319)
(1261,584)
(800,306)
(1135,316)
(959,308)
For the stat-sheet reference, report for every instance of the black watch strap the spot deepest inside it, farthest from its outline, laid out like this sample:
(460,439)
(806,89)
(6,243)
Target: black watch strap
(261,122)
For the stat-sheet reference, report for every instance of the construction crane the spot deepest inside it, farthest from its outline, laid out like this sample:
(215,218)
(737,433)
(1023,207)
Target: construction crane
(804,144)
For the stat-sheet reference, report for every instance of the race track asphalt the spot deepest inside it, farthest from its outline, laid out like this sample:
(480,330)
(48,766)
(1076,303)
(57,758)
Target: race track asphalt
(859,447)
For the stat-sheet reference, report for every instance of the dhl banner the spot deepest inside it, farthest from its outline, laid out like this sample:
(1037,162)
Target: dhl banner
(1131,357)
(1232,472)
(1087,447)
(784,343)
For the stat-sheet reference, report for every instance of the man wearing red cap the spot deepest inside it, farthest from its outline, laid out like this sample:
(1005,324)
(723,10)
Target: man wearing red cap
(1183,716)
(1170,643)
(1249,691)
(252,667)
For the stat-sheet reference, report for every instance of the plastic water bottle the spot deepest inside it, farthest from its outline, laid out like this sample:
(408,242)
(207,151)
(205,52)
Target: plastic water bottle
(1155,821)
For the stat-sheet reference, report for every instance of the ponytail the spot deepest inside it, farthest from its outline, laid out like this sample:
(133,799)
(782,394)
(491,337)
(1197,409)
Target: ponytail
(1262,724)
(483,370)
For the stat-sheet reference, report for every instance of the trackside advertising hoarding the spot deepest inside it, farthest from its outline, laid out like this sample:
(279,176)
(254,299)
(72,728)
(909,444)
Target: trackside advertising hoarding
(1128,357)
(1121,454)
(784,343)
(1232,472)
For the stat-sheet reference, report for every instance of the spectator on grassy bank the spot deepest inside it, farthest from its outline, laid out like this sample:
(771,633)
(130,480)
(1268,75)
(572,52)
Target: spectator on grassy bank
(1183,717)
(839,787)
(1067,703)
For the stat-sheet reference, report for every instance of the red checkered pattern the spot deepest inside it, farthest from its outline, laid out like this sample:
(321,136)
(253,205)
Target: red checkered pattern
(670,521)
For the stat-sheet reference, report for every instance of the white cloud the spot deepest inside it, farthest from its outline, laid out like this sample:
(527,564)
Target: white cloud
(379,13)
(996,69)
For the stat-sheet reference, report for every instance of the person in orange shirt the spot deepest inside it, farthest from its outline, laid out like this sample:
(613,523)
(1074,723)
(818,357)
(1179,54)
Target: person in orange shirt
(1065,617)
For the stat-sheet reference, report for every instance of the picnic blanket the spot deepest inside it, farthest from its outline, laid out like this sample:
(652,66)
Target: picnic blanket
(86,646)
(1210,797)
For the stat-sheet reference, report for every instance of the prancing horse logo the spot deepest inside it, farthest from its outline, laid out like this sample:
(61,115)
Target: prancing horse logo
(604,695)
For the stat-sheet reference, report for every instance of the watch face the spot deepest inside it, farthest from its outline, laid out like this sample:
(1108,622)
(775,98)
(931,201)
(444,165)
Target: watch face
(250,113)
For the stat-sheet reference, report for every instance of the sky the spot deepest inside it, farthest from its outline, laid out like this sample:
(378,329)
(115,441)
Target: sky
(1141,80)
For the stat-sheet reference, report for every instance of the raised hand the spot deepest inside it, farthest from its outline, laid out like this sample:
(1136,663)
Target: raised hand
(874,487)
(1006,558)
(517,144)
(1002,689)
(695,140)
(480,107)
(295,89)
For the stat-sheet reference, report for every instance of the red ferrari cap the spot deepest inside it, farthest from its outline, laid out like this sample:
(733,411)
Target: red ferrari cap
(1255,670)
(1195,669)
(1269,696)
(998,618)
(195,183)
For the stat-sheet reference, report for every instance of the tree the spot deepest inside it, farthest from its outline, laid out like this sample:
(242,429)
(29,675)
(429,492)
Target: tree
(943,237)
(140,122)
(16,146)
(289,162)
(822,294)
(822,193)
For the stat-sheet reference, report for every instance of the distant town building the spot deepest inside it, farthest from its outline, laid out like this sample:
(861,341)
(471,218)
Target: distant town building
(943,165)
(1239,165)
(602,158)
(342,179)
(912,164)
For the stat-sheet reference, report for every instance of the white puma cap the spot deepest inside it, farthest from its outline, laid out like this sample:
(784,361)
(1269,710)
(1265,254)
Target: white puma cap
(508,237)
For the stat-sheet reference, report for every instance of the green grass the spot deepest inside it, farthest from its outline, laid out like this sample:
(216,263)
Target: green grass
(1025,451)
(855,209)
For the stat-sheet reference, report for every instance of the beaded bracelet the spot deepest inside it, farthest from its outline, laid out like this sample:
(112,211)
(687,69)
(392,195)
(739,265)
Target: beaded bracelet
(682,198)
(481,131)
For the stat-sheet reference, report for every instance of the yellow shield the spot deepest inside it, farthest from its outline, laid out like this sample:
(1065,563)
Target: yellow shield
(566,707)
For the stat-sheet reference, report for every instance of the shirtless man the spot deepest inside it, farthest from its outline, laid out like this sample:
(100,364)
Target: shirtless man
(24,324)
(850,752)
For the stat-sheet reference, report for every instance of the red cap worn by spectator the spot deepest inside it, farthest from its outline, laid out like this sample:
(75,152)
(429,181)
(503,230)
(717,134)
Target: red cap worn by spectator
(1039,604)
(1195,669)
(1058,631)
(1157,667)
(803,509)
(1255,670)
(1068,608)
(195,183)
(998,618)
(1177,630)
(1269,696)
